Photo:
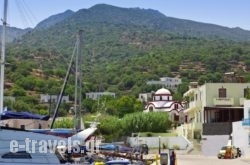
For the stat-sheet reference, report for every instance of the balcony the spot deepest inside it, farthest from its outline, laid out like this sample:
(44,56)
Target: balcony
(193,105)
(224,101)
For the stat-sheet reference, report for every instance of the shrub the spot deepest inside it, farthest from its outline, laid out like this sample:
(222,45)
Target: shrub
(176,147)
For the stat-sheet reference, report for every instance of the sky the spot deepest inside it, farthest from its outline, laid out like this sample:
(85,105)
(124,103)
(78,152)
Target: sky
(229,13)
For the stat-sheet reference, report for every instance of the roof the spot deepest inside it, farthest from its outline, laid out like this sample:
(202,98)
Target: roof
(162,91)
(162,104)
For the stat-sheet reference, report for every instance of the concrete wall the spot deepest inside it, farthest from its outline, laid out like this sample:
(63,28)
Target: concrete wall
(153,142)
(240,137)
(211,144)
(27,123)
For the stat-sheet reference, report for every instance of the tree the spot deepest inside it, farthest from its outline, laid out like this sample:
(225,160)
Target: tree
(110,128)
(18,91)
(88,105)
(21,106)
(125,105)
(145,122)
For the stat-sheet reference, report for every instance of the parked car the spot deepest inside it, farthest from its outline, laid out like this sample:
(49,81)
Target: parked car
(115,147)
(142,149)
(228,152)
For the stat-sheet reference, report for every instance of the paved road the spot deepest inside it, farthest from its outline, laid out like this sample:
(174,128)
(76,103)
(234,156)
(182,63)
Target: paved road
(203,160)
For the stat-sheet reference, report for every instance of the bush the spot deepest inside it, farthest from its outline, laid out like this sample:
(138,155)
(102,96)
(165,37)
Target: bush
(165,146)
(176,147)
(149,134)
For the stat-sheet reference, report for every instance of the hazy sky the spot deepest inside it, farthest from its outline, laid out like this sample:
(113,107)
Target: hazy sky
(230,13)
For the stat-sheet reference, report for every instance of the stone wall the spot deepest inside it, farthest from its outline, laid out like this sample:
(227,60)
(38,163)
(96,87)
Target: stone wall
(26,123)
(153,142)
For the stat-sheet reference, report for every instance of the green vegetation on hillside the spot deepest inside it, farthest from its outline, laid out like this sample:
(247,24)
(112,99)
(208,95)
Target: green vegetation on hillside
(122,49)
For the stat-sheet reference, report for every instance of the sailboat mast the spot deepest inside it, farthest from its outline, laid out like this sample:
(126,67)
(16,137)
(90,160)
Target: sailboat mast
(2,62)
(78,81)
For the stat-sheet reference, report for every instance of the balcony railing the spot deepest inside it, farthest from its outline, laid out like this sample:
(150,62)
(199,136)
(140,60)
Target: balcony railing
(224,101)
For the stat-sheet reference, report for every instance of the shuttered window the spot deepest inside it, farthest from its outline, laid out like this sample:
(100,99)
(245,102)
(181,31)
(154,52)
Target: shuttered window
(222,92)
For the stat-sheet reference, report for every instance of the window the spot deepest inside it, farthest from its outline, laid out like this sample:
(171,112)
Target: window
(151,109)
(176,117)
(17,155)
(222,92)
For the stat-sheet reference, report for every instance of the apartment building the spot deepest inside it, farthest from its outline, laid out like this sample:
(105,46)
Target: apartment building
(210,111)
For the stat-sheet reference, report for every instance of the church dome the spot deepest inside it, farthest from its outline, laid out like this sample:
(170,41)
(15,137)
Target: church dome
(163,91)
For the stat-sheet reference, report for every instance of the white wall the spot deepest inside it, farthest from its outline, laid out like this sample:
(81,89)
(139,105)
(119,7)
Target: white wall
(153,142)
(240,138)
(246,109)
(211,144)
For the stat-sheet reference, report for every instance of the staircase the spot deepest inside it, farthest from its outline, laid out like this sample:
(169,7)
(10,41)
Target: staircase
(196,148)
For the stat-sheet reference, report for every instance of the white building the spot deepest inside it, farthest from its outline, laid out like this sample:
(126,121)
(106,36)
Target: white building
(168,82)
(46,98)
(145,97)
(163,102)
(211,111)
(97,95)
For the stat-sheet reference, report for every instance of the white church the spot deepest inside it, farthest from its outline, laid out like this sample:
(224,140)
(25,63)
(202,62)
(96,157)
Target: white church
(163,102)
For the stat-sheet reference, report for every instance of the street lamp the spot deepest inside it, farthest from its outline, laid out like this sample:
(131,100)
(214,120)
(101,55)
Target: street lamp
(159,145)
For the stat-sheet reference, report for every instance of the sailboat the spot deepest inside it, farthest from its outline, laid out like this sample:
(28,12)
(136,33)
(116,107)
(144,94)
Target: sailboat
(78,123)
(18,146)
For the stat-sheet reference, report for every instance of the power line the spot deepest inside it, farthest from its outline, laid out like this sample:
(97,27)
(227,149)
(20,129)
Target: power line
(26,15)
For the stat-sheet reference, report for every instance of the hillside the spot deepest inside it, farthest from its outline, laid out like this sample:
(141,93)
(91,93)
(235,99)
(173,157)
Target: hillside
(125,47)
(13,33)
(54,19)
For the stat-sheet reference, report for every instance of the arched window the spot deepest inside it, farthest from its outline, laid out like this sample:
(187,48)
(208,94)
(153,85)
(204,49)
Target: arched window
(175,106)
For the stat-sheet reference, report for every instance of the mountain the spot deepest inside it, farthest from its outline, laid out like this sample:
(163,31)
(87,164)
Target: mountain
(132,28)
(52,20)
(125,47)
(14,33)
(156,20)
(147,18)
